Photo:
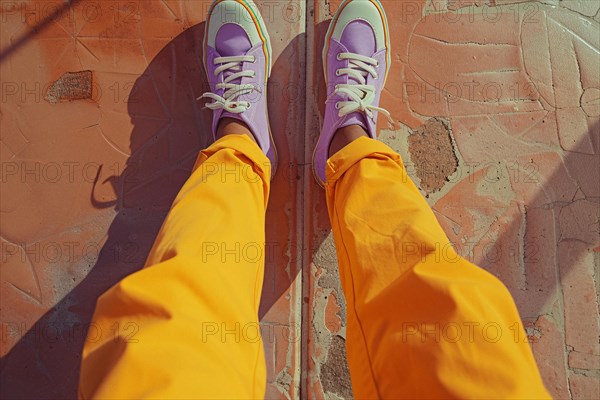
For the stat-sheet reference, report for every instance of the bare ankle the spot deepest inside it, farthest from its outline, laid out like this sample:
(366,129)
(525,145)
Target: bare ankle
(232,126)
(344,136)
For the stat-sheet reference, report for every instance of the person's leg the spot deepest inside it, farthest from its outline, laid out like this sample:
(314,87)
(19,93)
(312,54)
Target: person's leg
(186,325)
(421,321)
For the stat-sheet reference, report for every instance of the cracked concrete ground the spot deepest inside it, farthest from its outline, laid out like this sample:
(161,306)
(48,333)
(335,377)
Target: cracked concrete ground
(100,127)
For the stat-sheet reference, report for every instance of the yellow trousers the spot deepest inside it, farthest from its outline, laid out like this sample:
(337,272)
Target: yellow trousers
(421,321)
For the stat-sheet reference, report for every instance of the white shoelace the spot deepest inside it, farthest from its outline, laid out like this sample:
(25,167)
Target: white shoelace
(361,95)
(232,90)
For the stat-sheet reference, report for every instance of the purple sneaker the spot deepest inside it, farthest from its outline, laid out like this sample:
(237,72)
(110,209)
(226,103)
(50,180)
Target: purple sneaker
(237,60)
(356,61)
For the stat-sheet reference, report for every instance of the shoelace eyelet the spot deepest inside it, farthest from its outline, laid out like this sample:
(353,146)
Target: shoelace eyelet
(337,72)
(254,60)
(339,56)
(337,106)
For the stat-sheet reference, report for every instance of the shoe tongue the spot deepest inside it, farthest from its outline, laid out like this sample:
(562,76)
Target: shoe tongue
(232,40)
(358,37)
